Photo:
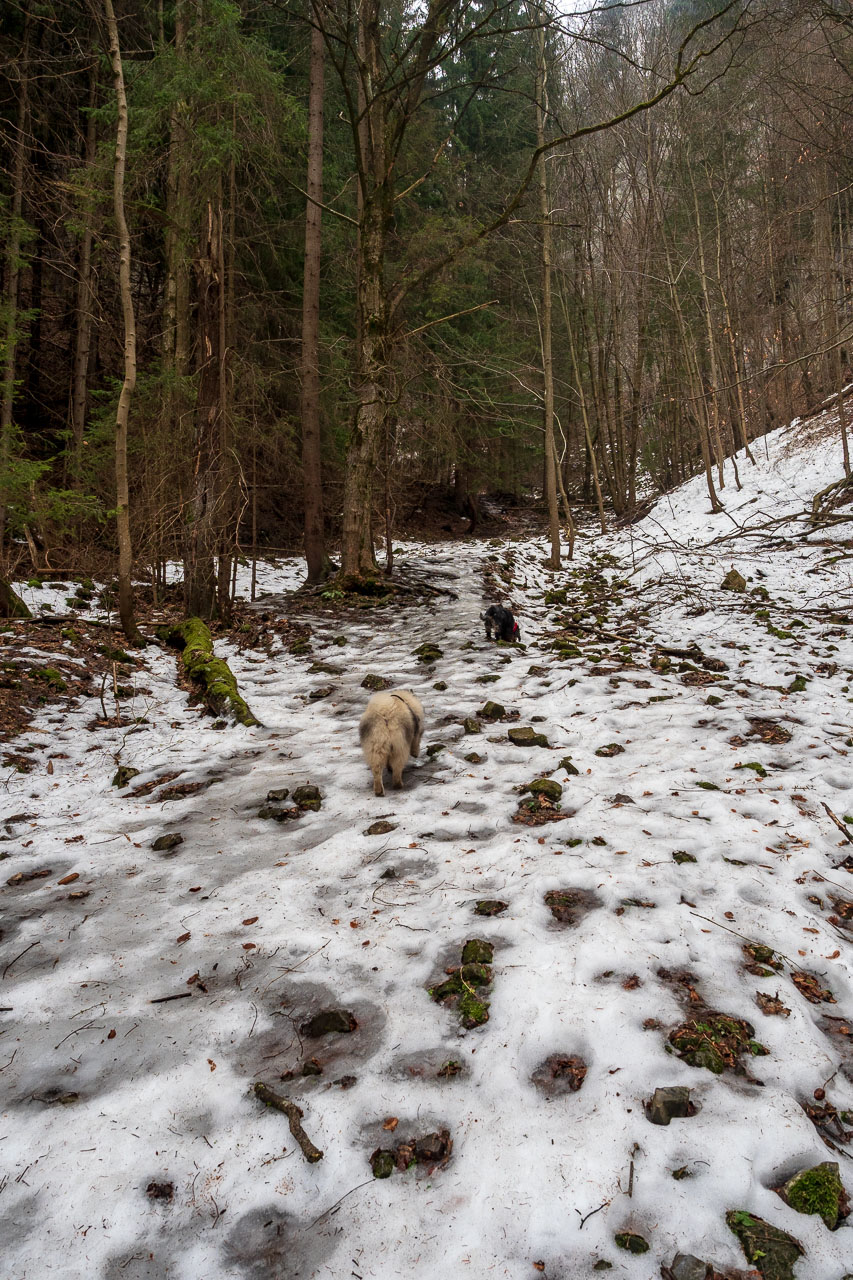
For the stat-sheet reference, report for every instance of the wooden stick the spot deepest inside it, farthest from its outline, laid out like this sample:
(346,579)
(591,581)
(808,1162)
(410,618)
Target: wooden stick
(183,995)
(841,826)
(18,956)
(311,1153)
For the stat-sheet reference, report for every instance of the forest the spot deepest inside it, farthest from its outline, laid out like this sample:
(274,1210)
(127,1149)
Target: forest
(279,276)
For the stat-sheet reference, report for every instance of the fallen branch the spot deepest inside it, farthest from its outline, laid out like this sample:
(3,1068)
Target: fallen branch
(182,995)
(842,827)
(211,675)
(294,1115)
(21,953)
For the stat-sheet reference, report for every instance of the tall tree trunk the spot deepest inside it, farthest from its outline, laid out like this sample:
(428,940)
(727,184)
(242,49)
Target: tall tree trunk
(374,392)
(553,561)
(590,447)
(125,550)
(227,504)
(372,372)
(13,275)
(312,472)
(83,335)
(176,303)
(200,579)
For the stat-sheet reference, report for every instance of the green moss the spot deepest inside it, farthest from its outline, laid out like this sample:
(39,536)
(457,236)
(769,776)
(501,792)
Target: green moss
(715,1042)
(428,652)
(630,1241)
(477,951)
(51,677)
(382,1164)
(472,1011)
(215,680)
(755,766)
(681,856)
(544,787)
(818,1190)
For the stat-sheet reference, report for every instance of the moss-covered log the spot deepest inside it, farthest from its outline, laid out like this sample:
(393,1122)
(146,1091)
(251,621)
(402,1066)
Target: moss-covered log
(11,605)
(212,676)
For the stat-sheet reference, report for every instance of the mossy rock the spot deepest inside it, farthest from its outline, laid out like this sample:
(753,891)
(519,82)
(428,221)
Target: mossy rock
(324,691)
(277,814)
(817,1190)
(440,685)
(713,700)
(308,797)
(772,1252)
(539,672)
(382,1163)
(544,787)
(325,669)
(380,828)
(492,711)
(716,1042)
(375,683)
(681,856)
(799,684)
(477,951)
(470,725)
(435,748)
(123,775)
(164,844)
(631,1242)
(473,758)
(567,767)
(527,737)
(489,679)
(733,581)
(278,795)
(427,652)
(610,749)
(473,1012)
(490,907)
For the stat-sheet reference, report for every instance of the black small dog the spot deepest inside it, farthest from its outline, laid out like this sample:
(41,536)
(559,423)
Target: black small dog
(502,622)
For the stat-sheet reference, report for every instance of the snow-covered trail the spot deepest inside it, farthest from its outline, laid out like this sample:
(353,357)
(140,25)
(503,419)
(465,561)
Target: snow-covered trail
(259,925)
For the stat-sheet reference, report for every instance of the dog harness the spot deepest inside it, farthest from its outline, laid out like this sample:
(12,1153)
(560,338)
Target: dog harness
(415,718)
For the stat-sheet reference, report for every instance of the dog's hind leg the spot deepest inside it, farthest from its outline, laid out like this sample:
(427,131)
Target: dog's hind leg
(396,762)
(378,787)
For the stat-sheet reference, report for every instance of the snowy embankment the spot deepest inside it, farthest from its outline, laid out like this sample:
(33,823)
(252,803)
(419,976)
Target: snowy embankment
(131,1145)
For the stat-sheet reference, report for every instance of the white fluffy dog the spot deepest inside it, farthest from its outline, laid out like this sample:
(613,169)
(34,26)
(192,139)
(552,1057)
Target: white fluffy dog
(390,731)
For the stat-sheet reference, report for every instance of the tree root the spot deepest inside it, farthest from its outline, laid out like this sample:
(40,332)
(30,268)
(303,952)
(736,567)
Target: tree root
(294,1115)
(213,677)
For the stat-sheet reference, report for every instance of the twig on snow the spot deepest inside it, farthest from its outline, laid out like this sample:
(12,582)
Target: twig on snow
(37,943)
(591,1214)
(294,1115)
(842,827)
(333,1207)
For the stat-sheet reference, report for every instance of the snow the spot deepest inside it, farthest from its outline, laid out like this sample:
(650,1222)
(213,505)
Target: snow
(280,920)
